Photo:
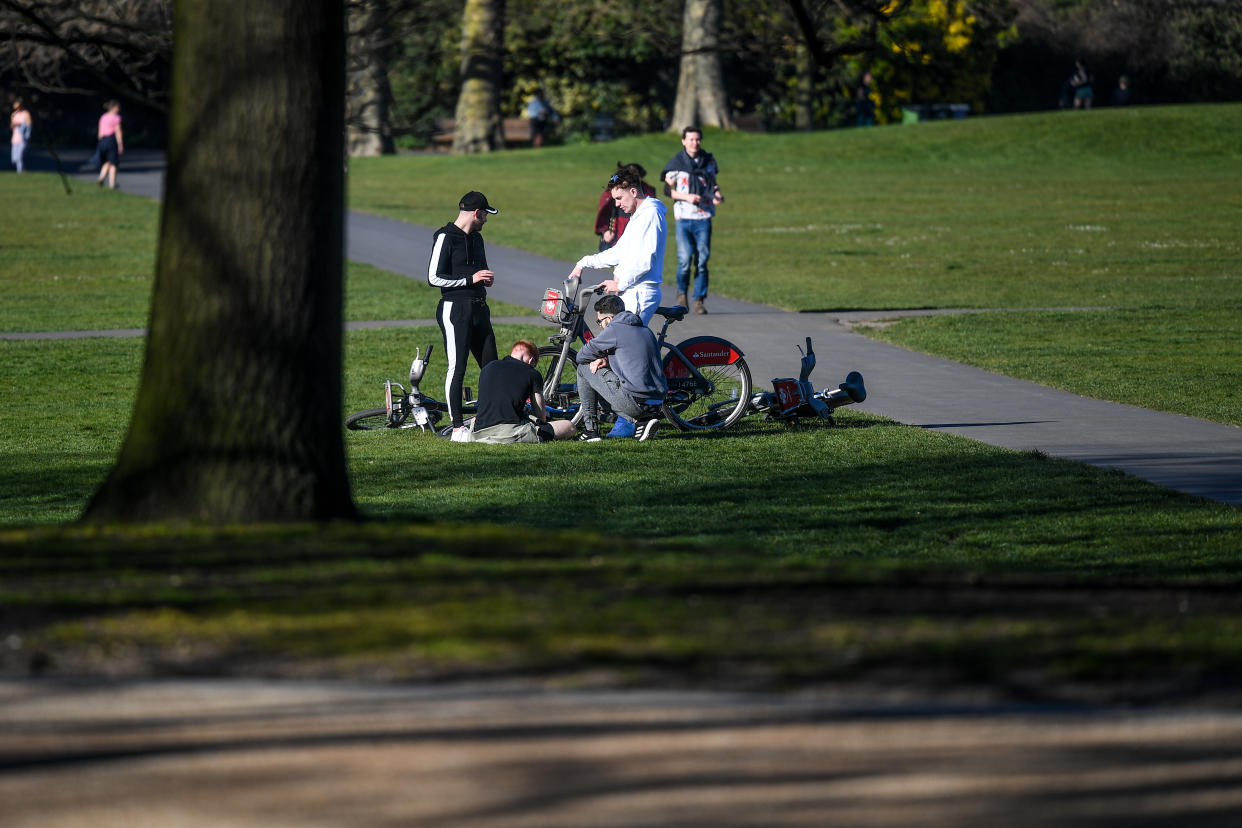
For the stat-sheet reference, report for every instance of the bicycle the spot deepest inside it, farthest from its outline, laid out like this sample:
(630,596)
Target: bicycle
(789,398)
(709,384)
(407,409)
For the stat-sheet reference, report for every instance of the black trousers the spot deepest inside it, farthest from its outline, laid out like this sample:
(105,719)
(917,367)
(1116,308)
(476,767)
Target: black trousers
(467,328)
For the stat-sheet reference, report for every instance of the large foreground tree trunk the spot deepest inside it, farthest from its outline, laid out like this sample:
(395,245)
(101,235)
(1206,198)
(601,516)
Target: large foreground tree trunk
(238,416)
(479,127)
(701,98)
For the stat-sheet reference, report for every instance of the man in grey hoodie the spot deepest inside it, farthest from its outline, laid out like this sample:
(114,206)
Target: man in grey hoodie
(622,365)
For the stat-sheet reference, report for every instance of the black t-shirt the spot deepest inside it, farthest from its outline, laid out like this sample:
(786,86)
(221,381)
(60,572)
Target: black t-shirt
(504,387)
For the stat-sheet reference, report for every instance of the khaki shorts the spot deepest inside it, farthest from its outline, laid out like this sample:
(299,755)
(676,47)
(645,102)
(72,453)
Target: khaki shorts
(514,433)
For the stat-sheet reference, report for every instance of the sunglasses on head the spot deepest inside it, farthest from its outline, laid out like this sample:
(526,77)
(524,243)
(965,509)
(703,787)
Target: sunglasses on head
(616,179)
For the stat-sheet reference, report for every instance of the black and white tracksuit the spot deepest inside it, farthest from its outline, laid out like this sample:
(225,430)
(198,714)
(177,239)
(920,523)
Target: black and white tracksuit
(462,314)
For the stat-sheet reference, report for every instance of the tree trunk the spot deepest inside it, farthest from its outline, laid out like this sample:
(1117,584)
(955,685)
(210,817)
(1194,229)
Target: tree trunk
(368,131)
(238,415)
(701,98)
(804,106)
(479,127)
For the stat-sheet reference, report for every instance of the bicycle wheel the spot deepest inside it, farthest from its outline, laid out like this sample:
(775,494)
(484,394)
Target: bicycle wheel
(560,393)
(717,401)
(369,420)
(376,418)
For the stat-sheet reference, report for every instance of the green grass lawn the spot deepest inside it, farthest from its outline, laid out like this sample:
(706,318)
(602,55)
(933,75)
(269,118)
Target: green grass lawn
(1134,212)
(1123,207)
(87,262)
(870,489)
(765,556)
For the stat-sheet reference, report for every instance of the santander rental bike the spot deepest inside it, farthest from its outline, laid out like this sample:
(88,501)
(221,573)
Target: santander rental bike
(709,384)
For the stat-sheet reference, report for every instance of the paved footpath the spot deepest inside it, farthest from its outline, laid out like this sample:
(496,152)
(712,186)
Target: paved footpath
(1182,453)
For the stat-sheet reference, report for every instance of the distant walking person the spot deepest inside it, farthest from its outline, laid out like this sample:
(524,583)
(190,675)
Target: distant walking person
(459,269)
(20,124)
(690,179)
(1081,82)
(111,144)
(541,115)
(637,260)
(1121,95)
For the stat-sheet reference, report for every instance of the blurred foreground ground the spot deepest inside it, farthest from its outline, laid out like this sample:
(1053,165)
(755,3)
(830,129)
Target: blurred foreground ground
(242,753)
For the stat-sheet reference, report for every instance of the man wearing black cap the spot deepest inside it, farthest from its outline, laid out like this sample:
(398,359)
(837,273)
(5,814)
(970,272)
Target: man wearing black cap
(459,269)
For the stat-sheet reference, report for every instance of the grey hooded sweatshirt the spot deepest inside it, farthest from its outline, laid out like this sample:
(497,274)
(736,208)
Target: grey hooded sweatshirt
(632,354)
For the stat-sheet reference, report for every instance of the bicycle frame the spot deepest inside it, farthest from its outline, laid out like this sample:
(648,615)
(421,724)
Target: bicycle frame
(561,399)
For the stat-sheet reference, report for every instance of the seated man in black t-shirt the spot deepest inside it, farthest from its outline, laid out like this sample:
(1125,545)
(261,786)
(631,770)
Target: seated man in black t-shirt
(505,387)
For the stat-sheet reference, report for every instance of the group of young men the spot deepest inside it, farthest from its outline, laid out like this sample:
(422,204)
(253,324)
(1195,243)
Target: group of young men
(621,365)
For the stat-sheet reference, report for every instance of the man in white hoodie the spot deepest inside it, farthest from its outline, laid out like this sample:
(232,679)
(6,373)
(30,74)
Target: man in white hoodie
(637,259)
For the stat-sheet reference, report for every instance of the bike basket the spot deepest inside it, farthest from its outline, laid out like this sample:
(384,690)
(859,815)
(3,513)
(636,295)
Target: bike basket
(553,308)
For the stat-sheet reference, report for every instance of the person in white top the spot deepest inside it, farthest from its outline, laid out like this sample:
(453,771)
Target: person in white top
(637,259)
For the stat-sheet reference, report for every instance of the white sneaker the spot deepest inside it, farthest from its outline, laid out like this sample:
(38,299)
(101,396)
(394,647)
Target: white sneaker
(461,434)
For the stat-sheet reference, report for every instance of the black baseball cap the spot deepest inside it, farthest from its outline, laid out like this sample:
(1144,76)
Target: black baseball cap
(474,200)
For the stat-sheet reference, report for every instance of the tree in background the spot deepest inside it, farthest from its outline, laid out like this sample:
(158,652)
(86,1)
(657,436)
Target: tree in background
(121,48)
(833,37)
(423,48)
(479,127)
(939,51)
(1182,49)
(237,417)
(594,58)
(367,92)
(701,95)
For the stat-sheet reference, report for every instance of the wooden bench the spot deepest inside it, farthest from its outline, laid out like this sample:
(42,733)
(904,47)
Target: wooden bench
(517,132)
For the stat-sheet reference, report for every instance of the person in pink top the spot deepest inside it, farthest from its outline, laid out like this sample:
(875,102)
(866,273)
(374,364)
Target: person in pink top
(111,143)
(19,122)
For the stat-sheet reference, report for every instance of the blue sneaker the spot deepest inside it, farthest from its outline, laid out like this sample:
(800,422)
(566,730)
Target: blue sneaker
(623,427)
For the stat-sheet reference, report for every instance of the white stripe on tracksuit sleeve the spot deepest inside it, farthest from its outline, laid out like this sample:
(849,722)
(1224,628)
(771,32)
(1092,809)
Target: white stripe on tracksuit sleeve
(433,267)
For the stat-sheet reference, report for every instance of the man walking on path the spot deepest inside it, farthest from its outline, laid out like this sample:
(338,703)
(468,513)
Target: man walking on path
(459,269)
(637,259)
(690,180)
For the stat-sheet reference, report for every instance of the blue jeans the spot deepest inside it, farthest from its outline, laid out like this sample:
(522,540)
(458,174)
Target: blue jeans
(694,238)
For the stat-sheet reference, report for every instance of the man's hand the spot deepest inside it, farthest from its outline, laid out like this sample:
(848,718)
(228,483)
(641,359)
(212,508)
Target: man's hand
(484,276)
(608,236)
(575,273)
(596,364)
(610,286)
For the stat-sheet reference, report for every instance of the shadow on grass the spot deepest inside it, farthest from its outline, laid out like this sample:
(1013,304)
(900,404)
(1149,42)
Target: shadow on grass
(840,501)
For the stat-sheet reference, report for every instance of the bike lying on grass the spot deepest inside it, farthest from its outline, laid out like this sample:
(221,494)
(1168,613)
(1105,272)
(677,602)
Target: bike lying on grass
(709,383)
(407,409)
(791,399)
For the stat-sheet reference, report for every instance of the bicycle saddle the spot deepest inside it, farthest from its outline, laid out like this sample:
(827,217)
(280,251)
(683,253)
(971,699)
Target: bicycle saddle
(675,313)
